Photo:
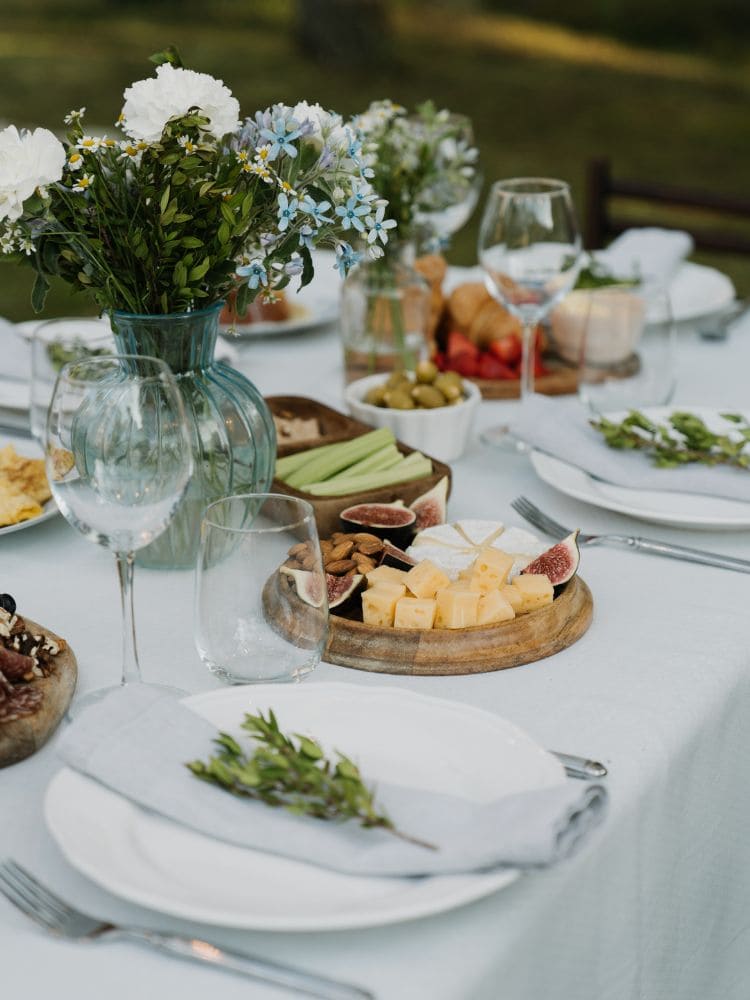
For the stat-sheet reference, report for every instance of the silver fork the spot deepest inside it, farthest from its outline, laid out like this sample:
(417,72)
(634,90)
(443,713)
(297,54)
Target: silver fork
(549,526)
(52,913)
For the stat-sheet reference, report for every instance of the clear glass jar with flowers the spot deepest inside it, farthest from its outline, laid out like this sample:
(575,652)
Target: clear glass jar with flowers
(159,226)
(422,167)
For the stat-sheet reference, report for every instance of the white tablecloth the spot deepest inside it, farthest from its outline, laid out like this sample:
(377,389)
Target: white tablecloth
(658,905)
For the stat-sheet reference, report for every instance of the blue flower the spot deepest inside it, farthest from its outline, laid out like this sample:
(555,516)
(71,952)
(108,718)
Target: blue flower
(346,258)
(280,136)
(350,214)
(379,226)
(287,211)
(294,266)
(316,210)
(307,237)
(255,272)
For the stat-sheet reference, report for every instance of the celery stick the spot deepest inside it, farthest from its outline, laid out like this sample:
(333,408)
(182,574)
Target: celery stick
(382,459)
(286,465)
(344,454)
(373,480)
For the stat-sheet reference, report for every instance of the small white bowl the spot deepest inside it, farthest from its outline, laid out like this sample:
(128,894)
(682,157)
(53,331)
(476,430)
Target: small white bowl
(441,432)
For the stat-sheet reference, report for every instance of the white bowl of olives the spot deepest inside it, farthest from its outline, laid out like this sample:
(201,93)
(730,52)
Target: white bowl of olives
(429,410)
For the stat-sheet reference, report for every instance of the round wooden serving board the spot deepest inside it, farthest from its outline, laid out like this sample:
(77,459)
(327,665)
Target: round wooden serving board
(432,652)
(23,737)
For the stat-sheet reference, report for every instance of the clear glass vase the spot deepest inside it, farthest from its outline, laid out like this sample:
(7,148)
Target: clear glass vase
(233,434)
(385,306)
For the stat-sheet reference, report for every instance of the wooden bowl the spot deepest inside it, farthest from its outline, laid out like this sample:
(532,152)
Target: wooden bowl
(337,426)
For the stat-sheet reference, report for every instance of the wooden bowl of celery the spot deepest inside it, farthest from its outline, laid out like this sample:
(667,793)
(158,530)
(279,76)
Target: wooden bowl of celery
(366,468)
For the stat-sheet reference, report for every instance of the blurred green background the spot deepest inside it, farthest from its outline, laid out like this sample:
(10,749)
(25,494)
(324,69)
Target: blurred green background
(659,86)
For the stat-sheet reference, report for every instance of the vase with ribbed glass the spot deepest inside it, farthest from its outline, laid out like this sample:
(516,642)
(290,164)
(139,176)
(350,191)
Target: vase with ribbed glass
(232,431)
(385,307)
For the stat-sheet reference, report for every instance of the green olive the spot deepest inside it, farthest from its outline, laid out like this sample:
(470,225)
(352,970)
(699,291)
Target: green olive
(376,395)
(450,388)
(426,372)
(399,399)
(428,396)
(396,379)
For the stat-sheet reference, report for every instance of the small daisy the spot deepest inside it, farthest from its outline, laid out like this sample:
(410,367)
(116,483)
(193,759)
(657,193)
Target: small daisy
(88,143)
(120,120)
(263,153)
(26,246)
(242,156)
(187,143)
(74,116)
(287,188)
(83,183)
(75,161)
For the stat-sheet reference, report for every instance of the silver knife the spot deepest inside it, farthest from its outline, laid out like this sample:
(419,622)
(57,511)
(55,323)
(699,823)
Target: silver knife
(580,767)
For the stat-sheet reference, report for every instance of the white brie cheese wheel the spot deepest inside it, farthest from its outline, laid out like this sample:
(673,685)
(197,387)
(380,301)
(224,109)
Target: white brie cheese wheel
(454,547)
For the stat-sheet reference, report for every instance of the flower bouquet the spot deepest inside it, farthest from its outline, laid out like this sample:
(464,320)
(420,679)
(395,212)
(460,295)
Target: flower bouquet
(158,226)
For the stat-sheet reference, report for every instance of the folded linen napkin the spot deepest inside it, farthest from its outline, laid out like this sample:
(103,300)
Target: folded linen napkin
(652,254)
(137,741)
(561,428)
(15,372)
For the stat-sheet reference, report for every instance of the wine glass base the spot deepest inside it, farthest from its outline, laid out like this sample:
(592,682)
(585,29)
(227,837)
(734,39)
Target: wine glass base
(503,438)
(81,703)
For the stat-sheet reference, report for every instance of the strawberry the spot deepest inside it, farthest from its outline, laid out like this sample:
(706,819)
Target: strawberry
(491,367)
(465,364)
(459,343)
(439,359)
(507,349)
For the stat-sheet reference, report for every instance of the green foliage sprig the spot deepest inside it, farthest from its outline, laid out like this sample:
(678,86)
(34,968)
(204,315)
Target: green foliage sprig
(293,772)
(682,440)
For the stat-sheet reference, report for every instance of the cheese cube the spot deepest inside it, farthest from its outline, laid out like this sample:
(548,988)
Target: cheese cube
(381,574)
(425,579)
(456,608)
(379,606)
(399,589)
(493,607)
(490,570)
(513,596)
(535,589)
(414,612)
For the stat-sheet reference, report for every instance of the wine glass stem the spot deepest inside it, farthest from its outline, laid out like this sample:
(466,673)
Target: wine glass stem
(131,670)
(527,360)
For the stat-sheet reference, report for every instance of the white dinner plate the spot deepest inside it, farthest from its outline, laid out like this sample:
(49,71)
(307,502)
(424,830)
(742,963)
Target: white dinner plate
(695,291)
(317,304)
(394,735)
(678,510)
(30,448)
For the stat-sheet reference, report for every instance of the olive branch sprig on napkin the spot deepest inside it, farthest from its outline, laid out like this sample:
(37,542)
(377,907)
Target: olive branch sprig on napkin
(684,438)
(293,772)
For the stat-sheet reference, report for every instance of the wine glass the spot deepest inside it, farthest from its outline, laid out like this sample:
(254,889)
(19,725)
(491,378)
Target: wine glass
(118,460)
(445,204)
(261,609)
(530,251)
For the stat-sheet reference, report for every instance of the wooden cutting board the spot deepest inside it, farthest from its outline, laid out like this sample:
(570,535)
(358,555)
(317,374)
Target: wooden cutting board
(23,737)
(433,652)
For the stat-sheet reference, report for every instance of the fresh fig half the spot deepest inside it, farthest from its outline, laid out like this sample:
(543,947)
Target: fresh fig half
(386,520)
(396,557)
(341,588)
(307,584)
(430,508)
(558,563)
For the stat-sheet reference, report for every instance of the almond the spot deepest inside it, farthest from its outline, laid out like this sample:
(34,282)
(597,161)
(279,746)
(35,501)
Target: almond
(365,536)
(343,550)
(340,566)
(299,551)
(370,548)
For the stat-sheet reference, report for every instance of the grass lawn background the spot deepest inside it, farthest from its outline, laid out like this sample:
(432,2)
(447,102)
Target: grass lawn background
(543,98)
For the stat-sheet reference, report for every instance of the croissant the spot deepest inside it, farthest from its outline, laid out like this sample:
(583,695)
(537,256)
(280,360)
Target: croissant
(472,311)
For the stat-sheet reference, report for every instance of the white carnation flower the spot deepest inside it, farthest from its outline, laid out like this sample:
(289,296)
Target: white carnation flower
(28,160)
(149,104)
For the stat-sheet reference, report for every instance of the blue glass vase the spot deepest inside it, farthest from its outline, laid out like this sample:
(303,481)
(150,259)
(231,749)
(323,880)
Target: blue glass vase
(234,438)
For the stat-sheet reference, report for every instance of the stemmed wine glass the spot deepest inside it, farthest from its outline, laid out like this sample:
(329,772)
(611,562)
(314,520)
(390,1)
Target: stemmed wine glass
(530,251)
(118,460)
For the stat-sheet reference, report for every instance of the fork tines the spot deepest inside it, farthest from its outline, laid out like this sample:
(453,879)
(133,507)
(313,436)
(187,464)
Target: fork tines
(23,890)
(531,513)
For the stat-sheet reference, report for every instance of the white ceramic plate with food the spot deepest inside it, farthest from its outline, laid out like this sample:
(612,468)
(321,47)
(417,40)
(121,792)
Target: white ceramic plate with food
(678,510)
(30,449)
(315,305)
(432,743)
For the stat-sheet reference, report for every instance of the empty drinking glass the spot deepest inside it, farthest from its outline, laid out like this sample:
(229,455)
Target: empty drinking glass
(256,618)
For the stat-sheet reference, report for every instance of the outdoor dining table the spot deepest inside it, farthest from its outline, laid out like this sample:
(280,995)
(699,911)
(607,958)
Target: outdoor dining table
(656,906)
